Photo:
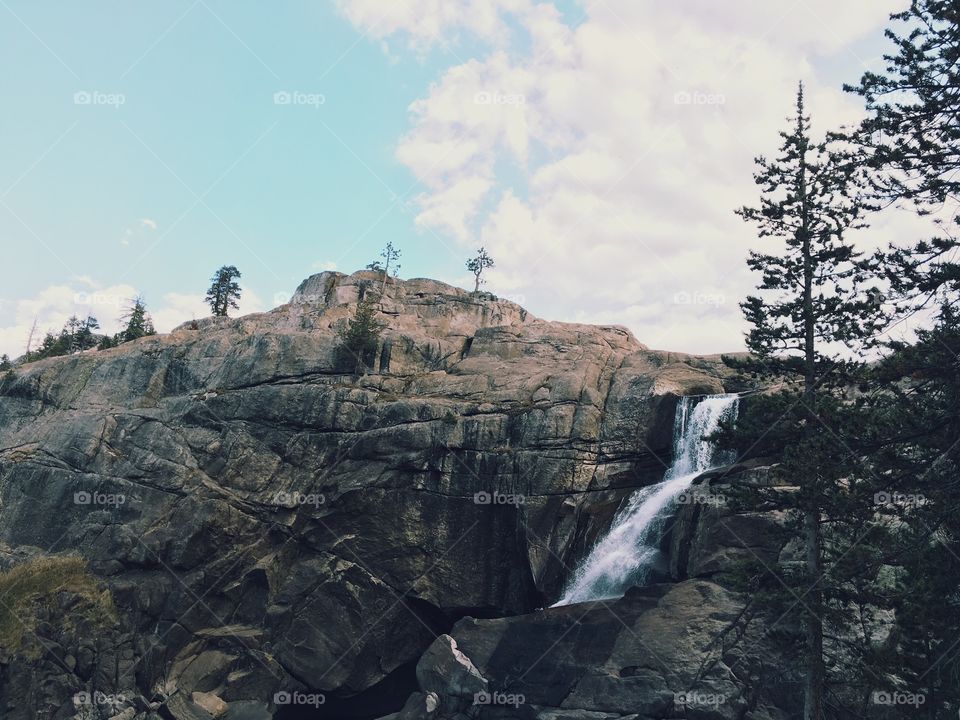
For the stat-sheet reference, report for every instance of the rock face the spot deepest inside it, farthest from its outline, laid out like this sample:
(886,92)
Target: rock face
(279,537)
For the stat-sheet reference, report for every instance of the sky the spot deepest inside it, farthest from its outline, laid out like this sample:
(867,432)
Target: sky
(597,149)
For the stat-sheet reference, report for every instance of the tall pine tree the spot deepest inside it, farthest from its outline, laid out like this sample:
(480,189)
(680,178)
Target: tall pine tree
(812,306)
(912,138)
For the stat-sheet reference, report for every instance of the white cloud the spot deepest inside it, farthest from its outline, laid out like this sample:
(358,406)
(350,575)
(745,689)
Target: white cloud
(53,306)
(601,163)
(148,223)
(428,22)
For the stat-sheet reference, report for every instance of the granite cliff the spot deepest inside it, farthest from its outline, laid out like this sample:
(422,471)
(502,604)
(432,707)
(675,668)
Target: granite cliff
(267,537)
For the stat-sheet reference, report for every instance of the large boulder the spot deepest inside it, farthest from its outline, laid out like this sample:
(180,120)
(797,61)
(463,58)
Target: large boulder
(659,652)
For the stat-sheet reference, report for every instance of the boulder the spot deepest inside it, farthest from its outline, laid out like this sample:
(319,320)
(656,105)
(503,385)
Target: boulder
(446,671)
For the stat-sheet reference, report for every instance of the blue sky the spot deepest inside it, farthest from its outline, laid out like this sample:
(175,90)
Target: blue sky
(280,191)
(142,146)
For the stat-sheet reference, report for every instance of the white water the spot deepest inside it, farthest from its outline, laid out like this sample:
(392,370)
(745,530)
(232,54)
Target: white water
(627,554)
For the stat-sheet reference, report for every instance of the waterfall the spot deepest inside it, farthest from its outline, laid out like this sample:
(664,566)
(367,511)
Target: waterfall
(626,554)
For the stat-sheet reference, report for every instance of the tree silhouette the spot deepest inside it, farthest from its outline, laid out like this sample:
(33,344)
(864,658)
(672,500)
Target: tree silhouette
(477,264)
(224,292)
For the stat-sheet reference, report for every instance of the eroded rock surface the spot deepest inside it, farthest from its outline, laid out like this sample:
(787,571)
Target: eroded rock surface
(267,525)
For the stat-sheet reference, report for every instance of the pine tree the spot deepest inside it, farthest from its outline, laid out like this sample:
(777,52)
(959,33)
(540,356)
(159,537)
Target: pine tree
(224,291)
(912,137)
(812,303)
(390,256)
(477,264)
(83,336)
(359,340)
(5,363)
(138,321)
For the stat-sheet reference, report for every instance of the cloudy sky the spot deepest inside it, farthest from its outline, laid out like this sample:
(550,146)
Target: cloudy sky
(597,149)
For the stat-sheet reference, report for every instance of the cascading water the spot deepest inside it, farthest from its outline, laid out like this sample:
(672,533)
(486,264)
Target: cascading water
(625,556)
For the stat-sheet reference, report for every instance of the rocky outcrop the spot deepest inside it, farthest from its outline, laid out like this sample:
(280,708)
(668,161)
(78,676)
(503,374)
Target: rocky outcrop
(277,535)
(680,650)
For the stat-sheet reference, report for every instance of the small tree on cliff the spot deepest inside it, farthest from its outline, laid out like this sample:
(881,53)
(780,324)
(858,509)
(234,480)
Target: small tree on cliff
(390,256)
(359,340)
(477,264)
(224,291)
(138,320)
(812,300)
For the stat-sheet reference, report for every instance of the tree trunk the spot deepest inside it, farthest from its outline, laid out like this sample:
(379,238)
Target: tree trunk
(383,285)
(813,688)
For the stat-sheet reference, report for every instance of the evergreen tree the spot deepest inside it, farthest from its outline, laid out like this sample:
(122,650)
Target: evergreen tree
(390,256)
(81,333)
(913,399)
(357,351)
(912,135)
(5,363)
(138,321)
(812,302)
(477,264)
(224,291)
